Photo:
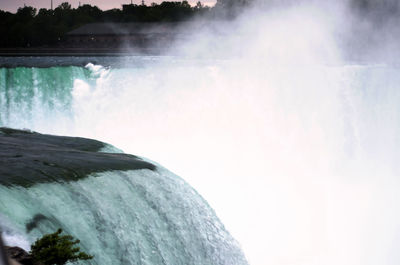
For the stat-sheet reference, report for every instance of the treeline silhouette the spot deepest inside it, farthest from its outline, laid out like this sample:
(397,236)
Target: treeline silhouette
(30,27)
(46,27)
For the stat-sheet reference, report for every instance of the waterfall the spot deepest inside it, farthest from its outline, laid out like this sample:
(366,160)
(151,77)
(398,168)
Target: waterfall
(298,161)
(132,217)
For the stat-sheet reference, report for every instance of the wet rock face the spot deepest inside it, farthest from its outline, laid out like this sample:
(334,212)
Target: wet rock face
(19,255)
(27,158)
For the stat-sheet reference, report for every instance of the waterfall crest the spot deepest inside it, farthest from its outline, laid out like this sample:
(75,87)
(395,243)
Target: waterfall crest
(123,217)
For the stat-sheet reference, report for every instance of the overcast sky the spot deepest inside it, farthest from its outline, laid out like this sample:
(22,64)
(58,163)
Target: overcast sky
(12,5)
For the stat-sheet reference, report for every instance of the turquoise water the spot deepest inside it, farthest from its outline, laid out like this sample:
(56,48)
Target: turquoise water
(133,217)
(298,161)
(31,94)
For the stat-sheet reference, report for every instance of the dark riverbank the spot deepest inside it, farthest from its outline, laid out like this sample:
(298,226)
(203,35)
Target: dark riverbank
(55,60)
(80,52)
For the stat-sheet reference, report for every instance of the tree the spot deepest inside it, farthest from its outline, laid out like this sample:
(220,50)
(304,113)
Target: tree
(64,6)
(230,9)
(57,249)
(26,13)
(199,5)
(47,27)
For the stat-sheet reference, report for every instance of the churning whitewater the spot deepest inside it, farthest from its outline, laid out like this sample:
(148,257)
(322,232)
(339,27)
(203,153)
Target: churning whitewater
(121,217)
(298,162)
(131,217)
(287,126)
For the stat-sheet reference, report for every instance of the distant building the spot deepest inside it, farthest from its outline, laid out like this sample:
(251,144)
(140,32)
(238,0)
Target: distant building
(135,35)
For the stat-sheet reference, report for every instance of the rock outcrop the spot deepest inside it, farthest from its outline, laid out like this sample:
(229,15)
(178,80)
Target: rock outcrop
(27,158)
(19,256)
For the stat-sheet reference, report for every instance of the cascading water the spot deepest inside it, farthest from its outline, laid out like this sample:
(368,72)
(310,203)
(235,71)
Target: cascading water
(294,160)
(294,148)
(132,217)
(29,96)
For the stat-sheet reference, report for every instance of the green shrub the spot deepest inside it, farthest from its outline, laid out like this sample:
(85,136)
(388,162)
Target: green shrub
(57,249)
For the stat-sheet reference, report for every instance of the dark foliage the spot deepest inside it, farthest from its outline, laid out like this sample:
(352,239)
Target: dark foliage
(29,27)
(57,249)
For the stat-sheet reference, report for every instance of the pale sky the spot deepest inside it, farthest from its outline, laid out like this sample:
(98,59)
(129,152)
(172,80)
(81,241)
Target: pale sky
(13,5)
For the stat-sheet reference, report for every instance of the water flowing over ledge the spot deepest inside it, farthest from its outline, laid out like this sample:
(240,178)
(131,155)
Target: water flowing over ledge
(144,216)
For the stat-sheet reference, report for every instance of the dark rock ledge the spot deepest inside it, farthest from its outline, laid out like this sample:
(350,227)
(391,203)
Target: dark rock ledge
(27,158)
(17,254)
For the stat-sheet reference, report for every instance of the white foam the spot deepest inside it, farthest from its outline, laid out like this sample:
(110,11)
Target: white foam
(16,240)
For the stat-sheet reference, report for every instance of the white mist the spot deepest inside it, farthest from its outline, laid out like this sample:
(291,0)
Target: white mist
(293,147)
